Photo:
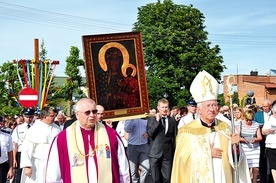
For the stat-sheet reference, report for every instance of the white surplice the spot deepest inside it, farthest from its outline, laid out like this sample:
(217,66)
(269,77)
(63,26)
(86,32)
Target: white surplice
(35,150)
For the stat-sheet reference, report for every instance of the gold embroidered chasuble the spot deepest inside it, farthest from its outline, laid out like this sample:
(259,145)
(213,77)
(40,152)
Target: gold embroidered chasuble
(192,161)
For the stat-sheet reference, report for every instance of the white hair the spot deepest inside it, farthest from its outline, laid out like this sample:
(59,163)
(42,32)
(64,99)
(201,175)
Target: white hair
(152,111)
(61,113)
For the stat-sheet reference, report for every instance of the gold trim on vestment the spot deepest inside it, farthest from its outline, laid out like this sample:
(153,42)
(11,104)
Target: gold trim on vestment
(102,152)
(198,129)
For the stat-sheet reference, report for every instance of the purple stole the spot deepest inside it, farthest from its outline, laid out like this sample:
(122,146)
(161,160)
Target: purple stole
(64,158)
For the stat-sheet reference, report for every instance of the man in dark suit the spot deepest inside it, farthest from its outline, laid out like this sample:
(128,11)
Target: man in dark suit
(70,121)
(162,130)
(262,117)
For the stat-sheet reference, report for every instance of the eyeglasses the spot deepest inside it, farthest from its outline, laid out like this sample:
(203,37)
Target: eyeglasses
(87,113)
(208,106)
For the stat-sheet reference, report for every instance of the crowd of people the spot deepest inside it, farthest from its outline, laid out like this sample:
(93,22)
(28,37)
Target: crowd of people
(198,142)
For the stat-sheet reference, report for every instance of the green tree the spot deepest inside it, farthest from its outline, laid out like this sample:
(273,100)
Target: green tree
(221,100)
(176,48)
(51,100)
(9,89)
(43,52)
(74,82)
(72,67)
(235,99)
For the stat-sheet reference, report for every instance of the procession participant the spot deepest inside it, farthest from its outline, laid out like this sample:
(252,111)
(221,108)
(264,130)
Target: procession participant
(19,120)
(203,146)
(18,137)
(138,149)
(269,129)
(87,151)
(162,130)
(36,146)
(192,113)
(72,119)
(263,117)
(122,133)
(6,153)
(100,116)
(250,137)
(60,120)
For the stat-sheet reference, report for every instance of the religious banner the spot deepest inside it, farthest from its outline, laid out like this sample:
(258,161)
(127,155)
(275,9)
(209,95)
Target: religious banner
(115,71)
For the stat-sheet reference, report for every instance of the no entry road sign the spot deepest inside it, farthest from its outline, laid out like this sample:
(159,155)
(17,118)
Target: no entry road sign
(28,97)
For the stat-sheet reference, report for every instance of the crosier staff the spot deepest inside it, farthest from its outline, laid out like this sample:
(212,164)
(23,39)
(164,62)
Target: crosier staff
(230,95)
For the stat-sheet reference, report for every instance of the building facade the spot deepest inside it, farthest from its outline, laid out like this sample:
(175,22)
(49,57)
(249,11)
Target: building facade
(263,86)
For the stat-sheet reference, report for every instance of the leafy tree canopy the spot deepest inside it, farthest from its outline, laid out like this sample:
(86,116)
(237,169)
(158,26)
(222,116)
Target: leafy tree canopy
(74,82)
(9,88)
(73,63)
(176,48)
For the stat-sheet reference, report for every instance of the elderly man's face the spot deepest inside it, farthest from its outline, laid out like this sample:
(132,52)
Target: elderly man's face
(208,110)
(266,107)
(86,114)
(60,119)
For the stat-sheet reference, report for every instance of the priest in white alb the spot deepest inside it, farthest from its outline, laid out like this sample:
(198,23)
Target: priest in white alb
(36,146)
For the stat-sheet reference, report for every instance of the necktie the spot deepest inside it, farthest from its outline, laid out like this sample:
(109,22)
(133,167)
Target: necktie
(28,126)
(193,116)
(163,120)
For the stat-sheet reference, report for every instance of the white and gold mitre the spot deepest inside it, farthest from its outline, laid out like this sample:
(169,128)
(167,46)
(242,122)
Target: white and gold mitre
(204,87)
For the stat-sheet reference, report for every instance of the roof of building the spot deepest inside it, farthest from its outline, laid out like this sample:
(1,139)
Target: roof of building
(267,85)
(270,85)
(60,80)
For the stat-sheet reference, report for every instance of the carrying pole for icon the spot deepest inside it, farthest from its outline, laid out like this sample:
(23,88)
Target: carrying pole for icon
(235,146)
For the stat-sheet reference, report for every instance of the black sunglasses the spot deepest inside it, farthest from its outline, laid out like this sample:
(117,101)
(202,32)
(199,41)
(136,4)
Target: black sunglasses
(87,113)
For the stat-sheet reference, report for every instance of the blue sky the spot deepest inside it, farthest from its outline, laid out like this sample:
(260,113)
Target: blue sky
(245,30)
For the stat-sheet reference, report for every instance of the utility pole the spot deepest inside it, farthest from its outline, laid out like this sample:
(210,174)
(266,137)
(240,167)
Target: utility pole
(36,57)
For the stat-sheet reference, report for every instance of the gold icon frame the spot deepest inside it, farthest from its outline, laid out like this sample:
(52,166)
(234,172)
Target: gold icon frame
(130,45)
